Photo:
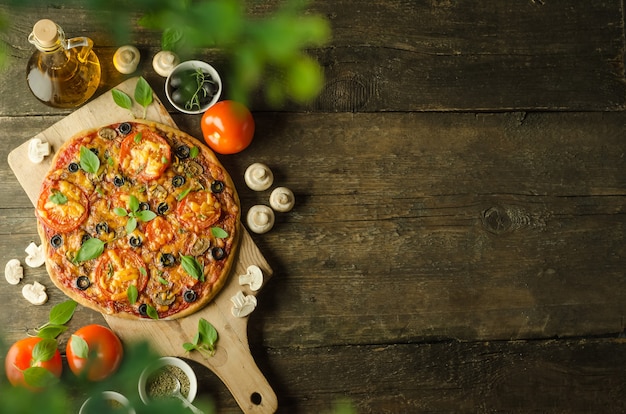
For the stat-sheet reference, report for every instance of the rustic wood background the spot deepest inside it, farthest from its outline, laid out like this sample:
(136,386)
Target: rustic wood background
(458,240)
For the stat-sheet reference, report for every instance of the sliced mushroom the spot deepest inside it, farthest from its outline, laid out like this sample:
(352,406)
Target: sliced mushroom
(253,277)
(200,246)
(35,293)
(260,219)
(282,199)
(36,256)
(243,305)
(258,177)
(164,298)
(126,59)
(13,272)
(107,133)
(37,150)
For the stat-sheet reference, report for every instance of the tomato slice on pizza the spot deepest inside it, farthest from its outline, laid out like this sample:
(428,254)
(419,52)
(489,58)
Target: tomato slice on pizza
(117,270)
(199,210)
(145,155)
(63,206)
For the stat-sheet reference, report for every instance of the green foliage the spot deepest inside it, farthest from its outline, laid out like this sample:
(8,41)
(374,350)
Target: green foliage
(267,52)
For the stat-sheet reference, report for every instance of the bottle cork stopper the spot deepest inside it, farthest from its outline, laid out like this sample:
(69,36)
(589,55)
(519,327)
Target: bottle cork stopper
(45,32)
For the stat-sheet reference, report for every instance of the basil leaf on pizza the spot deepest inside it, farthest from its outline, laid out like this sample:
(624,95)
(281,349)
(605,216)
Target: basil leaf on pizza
(150,233)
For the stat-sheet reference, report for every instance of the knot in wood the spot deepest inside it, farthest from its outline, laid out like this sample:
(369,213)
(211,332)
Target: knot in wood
(496,220)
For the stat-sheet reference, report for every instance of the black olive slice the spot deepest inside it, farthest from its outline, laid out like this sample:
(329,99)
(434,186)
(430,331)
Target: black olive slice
(218,253)
(56,241)
(143,206)
(190,296)
(125,128)
(183,152)
(85,237)
(178,181)
(217,186)
(83,282)
(167,259)
(134,241)
(143,309)
(162,208)
(118,181)
(73,167)
(95,151)
(102,227)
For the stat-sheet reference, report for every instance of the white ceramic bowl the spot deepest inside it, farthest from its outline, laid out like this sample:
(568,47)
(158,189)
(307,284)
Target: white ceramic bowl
(108,395)
(162,362)
(191,65)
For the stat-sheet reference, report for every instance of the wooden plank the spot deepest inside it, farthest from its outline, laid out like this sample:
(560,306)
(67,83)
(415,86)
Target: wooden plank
(414,227)
(413,56)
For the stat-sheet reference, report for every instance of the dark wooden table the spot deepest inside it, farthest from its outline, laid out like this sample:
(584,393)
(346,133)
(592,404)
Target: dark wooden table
(458,241)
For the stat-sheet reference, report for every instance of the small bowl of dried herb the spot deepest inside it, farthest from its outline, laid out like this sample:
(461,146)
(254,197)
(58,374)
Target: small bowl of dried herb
(107,402)
(193,87)
(166,377)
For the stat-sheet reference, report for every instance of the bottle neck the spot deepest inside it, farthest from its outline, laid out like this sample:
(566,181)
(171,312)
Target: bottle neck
(59,43)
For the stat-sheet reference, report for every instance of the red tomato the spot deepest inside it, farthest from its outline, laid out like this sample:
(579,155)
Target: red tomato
(23,359)
(227,127)
(145,154)
(63,206)
(94,351)
(159,232)
(199,210)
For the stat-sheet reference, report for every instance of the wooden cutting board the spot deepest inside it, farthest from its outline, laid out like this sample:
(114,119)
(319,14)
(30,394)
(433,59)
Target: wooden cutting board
(232,362)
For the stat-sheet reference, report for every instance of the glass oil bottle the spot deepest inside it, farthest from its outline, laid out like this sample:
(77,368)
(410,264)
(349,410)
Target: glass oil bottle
(63,73)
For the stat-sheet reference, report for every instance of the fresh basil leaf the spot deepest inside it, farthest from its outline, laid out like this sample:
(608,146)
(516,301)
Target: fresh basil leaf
(39,377)
(163,281)
(219,232)
(89,161)
(58,197)
(170,38)
(44,350)
(208,334)
(192,267)
(137,137)
(131,225)
(193,153)
(188,346)
(145,215)
(143,92)
(51,331)
(120,211)
(90,249)
(121,99)
(79,347)
(151,312)
(133,203)
(61,313)
(132,294)
(143,271)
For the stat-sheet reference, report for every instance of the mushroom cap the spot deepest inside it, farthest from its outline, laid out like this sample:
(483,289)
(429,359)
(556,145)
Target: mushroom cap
(253,277)
(260,219)
(164,62)
(126,59)
(282,199)
(35,293)
(37,150)
(258,176)
(36,256)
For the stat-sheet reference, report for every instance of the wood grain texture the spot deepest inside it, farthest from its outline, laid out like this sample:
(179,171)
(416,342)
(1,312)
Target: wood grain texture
(407,55)
(457,243)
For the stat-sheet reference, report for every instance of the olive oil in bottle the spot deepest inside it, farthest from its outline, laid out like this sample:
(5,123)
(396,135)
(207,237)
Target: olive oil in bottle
(63,73)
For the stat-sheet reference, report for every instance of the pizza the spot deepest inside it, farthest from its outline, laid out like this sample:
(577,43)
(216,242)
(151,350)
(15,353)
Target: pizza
(138,220)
